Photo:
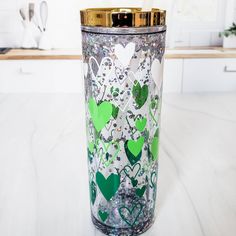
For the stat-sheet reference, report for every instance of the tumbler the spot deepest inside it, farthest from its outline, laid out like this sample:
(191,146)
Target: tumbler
(123,51)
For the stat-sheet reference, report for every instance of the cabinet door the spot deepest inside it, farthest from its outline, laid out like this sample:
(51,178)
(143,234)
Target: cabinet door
(209,75)
(173,72)
(40,76)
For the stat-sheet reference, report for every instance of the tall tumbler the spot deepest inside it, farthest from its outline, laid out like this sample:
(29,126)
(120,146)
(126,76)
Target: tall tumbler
(123,63)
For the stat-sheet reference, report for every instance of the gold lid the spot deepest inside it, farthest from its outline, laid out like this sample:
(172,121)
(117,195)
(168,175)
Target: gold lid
(122,17)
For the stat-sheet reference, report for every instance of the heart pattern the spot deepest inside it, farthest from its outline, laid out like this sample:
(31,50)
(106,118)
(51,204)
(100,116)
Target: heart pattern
(114,145)
(100,114)
(104,69)
(124,54)
(130,216)
(123,78)
(109,186)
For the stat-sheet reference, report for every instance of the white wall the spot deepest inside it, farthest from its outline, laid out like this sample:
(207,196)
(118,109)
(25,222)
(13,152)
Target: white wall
(65,30)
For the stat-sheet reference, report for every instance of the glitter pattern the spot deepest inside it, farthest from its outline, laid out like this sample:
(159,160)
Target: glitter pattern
(123,87)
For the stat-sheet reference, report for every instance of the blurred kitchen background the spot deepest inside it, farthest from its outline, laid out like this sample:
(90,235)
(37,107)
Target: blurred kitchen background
(197,60)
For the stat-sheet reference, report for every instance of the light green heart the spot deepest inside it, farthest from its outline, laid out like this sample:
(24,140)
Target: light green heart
(100,114)
(91,147)
(140,124)
(154,148)
(135,147)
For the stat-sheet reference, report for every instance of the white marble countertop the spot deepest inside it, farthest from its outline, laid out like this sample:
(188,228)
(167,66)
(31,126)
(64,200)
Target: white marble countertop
(43,166)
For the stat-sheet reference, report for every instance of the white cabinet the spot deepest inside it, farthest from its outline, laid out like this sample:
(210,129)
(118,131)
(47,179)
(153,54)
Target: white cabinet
(40,76)
(173,73)
(209,75)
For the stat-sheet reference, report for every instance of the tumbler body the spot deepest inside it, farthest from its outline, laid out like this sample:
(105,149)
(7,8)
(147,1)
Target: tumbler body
(123,72)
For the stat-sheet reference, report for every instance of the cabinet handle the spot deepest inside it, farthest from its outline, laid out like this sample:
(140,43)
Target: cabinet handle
(228,70)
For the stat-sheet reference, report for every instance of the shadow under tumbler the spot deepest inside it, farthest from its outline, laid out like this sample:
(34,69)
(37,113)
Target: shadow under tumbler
(123,54)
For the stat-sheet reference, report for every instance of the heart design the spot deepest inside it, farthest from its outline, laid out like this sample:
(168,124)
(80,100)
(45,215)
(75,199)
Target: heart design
(153,179)
(122,101)
(131,157)
(106,146)
(134,182)
(85,69)
(101,114)
(103,215)
(140,191)
(130,216)
(154,148)
(132,172)
(93,192)
(153,114)
(121,73)
(140,124)
(140,94)
(109,186)
(135,147)
(157,73)
(91,147)
(124,54)
(103,70)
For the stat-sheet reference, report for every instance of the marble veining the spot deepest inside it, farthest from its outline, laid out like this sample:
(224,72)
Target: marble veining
(43,166)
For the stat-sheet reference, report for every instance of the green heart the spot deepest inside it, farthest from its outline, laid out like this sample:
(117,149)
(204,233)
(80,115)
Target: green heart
(134,182)
(106,147)
(101,114)
(140,94)
(93,192)
(154,148)
(141,124)
(135,147)
(103,215)
(132,169)
(109,186)
(132,159)
(152,114)
(115,111)
(91,147)
(130,216)
(140,191)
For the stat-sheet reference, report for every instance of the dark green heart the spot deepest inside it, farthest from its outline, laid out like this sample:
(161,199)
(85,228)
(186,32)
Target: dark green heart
(134,182)
(130,216)
(115,111)
(93,192)
(132,159)
(140,94)
(109,186)
(103,215)
(140,191)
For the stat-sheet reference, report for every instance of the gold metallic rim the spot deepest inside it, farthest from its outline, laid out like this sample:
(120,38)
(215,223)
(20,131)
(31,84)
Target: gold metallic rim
(122,17)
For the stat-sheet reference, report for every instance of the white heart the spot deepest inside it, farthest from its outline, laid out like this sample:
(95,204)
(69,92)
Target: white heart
(157,72)
(123,106)
(102,68)
(124,54)
(85,69)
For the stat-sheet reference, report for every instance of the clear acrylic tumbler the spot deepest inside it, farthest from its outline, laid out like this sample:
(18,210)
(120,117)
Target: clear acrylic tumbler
(123,53)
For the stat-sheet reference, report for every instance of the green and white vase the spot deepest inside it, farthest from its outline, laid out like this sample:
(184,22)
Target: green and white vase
(123,54)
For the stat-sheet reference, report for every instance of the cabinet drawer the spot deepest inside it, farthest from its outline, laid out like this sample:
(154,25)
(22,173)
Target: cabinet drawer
(209,75)
(173,73)
(40,76)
